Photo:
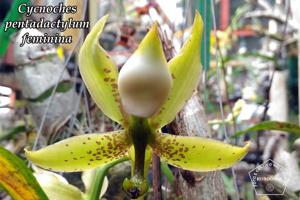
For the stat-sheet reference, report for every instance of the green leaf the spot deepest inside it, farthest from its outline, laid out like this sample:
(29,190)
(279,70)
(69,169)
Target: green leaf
(196,153)
(229,184)
(17,179)
(271,125)
(82,152)
(185,69)
(11,133)
(62,87)
(100,74)
(249,55)
(12,16)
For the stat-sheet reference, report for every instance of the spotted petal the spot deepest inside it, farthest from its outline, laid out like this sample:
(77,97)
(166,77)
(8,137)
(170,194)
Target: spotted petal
(196,153)
(185,69)
(82,152)
(100,74)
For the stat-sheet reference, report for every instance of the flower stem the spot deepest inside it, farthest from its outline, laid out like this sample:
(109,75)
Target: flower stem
(97,182)
(156,177)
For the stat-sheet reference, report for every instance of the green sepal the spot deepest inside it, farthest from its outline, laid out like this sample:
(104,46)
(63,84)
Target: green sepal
(100,74)
(185,70)
(82,152)
(197,153)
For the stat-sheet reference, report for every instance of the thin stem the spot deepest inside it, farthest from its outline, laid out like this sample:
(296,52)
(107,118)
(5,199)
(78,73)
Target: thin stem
(219,90)
(217,70)
(156,177)
(97,182)
(226,84)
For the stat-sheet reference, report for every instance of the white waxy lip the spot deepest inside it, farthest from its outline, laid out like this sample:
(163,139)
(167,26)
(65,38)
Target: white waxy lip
(144,81)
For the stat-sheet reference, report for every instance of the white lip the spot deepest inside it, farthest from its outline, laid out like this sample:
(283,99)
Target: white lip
(144,88)
(144,81)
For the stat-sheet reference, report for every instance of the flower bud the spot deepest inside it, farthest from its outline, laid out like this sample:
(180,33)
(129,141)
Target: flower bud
(144,81)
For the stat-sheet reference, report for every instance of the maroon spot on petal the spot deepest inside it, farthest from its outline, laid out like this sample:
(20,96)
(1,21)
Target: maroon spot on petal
(107,70)
(114,85)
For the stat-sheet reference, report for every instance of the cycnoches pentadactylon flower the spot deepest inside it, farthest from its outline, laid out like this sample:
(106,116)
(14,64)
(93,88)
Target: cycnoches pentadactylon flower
(146,95)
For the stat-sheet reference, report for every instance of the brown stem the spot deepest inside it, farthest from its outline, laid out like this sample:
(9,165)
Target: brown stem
(177,183)
(156,177)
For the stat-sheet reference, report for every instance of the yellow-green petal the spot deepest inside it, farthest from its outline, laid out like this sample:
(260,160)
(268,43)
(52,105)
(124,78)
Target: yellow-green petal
(185,69)
(17,179)
(100,74)
(82,152)
(196,153)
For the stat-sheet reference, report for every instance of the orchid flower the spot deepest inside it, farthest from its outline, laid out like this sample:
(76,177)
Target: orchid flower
(145,96)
